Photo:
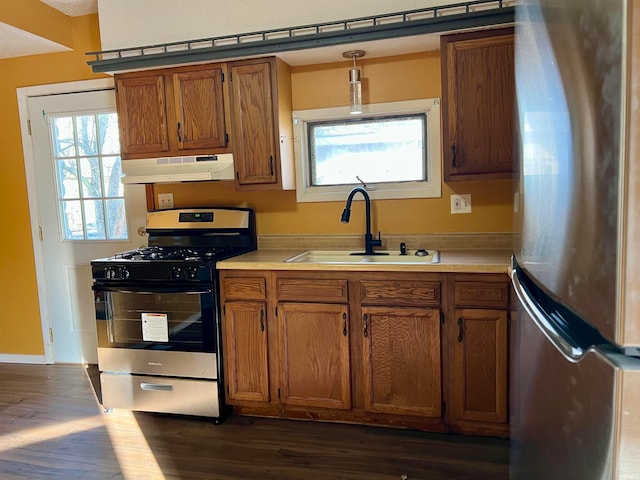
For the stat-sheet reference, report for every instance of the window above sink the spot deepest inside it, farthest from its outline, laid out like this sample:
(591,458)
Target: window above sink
(336,151)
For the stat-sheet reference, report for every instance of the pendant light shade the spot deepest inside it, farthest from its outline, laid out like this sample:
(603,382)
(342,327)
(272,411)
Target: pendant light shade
(355,83)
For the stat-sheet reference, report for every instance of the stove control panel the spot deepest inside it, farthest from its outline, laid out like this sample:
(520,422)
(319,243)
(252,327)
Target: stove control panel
(184,273)
(152,271)
(116,273)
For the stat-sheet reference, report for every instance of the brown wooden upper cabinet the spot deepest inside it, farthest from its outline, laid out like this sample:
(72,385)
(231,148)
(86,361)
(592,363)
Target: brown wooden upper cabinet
(478,84)
(172,112)
(262,124)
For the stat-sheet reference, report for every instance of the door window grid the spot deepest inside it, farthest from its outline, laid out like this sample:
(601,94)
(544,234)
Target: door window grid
(90,195)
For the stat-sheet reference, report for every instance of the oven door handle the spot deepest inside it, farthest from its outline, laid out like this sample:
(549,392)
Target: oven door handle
(150,290)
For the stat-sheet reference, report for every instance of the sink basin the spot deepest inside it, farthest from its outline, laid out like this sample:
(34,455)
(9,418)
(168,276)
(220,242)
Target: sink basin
(345,257)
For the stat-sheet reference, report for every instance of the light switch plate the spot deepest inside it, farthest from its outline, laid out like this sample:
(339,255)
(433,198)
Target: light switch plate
(461,203)
(165,200)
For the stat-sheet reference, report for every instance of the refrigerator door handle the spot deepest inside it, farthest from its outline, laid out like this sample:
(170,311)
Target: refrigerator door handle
(569,350)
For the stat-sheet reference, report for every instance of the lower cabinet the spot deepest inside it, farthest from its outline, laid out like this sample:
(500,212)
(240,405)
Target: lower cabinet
(245,335)
(478,361)
(402,358)
(246,359)
(417,350)
(313,343)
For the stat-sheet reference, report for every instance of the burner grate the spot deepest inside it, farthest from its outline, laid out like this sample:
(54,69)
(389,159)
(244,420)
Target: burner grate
(175,253)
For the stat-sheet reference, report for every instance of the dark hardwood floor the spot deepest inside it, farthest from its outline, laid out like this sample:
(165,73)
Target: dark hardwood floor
(52,427)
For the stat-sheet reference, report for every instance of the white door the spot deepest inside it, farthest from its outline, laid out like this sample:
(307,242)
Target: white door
(81,208)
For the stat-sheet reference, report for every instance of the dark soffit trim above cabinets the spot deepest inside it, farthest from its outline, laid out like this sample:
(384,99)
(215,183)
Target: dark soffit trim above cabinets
(444,18)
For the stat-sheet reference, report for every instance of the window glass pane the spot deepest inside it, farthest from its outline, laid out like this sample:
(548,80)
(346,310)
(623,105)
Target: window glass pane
(116,219)
(67,173)
(378,150)
(90,178)
(86,130)
(94,219)
(108,133)
(111,174)
(71,220)
(62,137)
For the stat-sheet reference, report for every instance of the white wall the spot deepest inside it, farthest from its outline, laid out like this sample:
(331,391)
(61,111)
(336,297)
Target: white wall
(135,23)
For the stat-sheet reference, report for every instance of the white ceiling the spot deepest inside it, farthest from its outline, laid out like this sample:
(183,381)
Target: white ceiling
(18,43)
(74,8)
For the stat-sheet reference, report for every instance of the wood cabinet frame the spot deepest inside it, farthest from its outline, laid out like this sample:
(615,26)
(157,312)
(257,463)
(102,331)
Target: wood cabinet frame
(173,111)
(379,312)
(478,91)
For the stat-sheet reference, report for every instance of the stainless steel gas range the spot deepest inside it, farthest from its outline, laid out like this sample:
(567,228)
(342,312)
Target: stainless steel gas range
(157,312)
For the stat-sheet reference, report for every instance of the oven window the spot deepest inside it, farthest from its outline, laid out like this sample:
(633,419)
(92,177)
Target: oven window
(163,321)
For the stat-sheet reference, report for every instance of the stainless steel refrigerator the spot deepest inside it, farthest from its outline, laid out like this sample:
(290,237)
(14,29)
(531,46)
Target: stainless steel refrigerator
(575,370)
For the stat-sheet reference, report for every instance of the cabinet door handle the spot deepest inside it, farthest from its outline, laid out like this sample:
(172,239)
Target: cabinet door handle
(366,325)
(179,133)
(262,320)
(344,324)
(460,330)
(271,165)
(453,156)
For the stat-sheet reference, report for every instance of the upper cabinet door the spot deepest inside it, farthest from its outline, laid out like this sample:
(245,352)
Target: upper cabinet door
(199,103)
(253,113)
(479,97)
(142,116)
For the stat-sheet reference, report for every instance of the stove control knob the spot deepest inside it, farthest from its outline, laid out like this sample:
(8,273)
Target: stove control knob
(109,273)
(193,273)
(124,273)
(176,273)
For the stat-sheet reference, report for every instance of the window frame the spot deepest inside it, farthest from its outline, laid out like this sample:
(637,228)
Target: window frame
(431,188)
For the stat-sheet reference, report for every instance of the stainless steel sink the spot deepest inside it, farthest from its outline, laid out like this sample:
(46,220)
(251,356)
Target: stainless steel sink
(346,257)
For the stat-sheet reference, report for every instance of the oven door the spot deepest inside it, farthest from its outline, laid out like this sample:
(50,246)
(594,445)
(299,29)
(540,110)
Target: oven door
(151,329)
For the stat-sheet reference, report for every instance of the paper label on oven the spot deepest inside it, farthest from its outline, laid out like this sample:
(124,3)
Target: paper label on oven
(155,327)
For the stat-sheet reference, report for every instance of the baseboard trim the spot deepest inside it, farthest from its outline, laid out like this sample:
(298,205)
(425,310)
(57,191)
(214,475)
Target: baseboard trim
(8,358)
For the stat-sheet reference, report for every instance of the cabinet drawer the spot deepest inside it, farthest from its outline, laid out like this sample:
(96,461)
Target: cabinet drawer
(244,288)
(160,394)
(482,294)
(401,292)
(296,289)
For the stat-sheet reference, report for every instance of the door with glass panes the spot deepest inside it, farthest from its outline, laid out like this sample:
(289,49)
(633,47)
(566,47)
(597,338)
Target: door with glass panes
(84,209)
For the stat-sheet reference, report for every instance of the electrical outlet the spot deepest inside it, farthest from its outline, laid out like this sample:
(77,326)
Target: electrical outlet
(461,203)
(165,200)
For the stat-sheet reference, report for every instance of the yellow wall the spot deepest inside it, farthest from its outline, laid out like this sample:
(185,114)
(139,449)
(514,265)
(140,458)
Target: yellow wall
(20,325)
(398,78)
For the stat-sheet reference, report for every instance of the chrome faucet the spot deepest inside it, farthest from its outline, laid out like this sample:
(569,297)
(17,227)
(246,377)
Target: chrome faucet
(369,241)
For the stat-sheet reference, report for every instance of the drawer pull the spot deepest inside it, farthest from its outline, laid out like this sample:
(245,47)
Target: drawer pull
(156,387)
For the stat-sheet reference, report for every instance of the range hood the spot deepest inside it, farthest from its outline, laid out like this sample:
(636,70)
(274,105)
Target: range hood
(178,169)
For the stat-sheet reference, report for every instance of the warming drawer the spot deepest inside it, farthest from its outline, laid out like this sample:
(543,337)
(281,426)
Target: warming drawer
(160,394)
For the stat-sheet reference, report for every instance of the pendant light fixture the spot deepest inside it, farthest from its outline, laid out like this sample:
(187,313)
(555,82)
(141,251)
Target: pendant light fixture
(355,84)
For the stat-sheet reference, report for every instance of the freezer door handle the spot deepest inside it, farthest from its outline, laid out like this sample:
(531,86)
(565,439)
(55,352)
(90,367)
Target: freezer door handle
(569,350)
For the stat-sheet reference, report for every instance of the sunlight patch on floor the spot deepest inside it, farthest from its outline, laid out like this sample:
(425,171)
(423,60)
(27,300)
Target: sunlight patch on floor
(131,448)
(28,436)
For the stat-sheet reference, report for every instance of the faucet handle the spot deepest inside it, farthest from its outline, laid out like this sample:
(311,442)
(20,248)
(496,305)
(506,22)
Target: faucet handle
(377,242)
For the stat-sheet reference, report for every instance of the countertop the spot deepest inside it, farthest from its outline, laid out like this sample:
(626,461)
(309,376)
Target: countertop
(460,261)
